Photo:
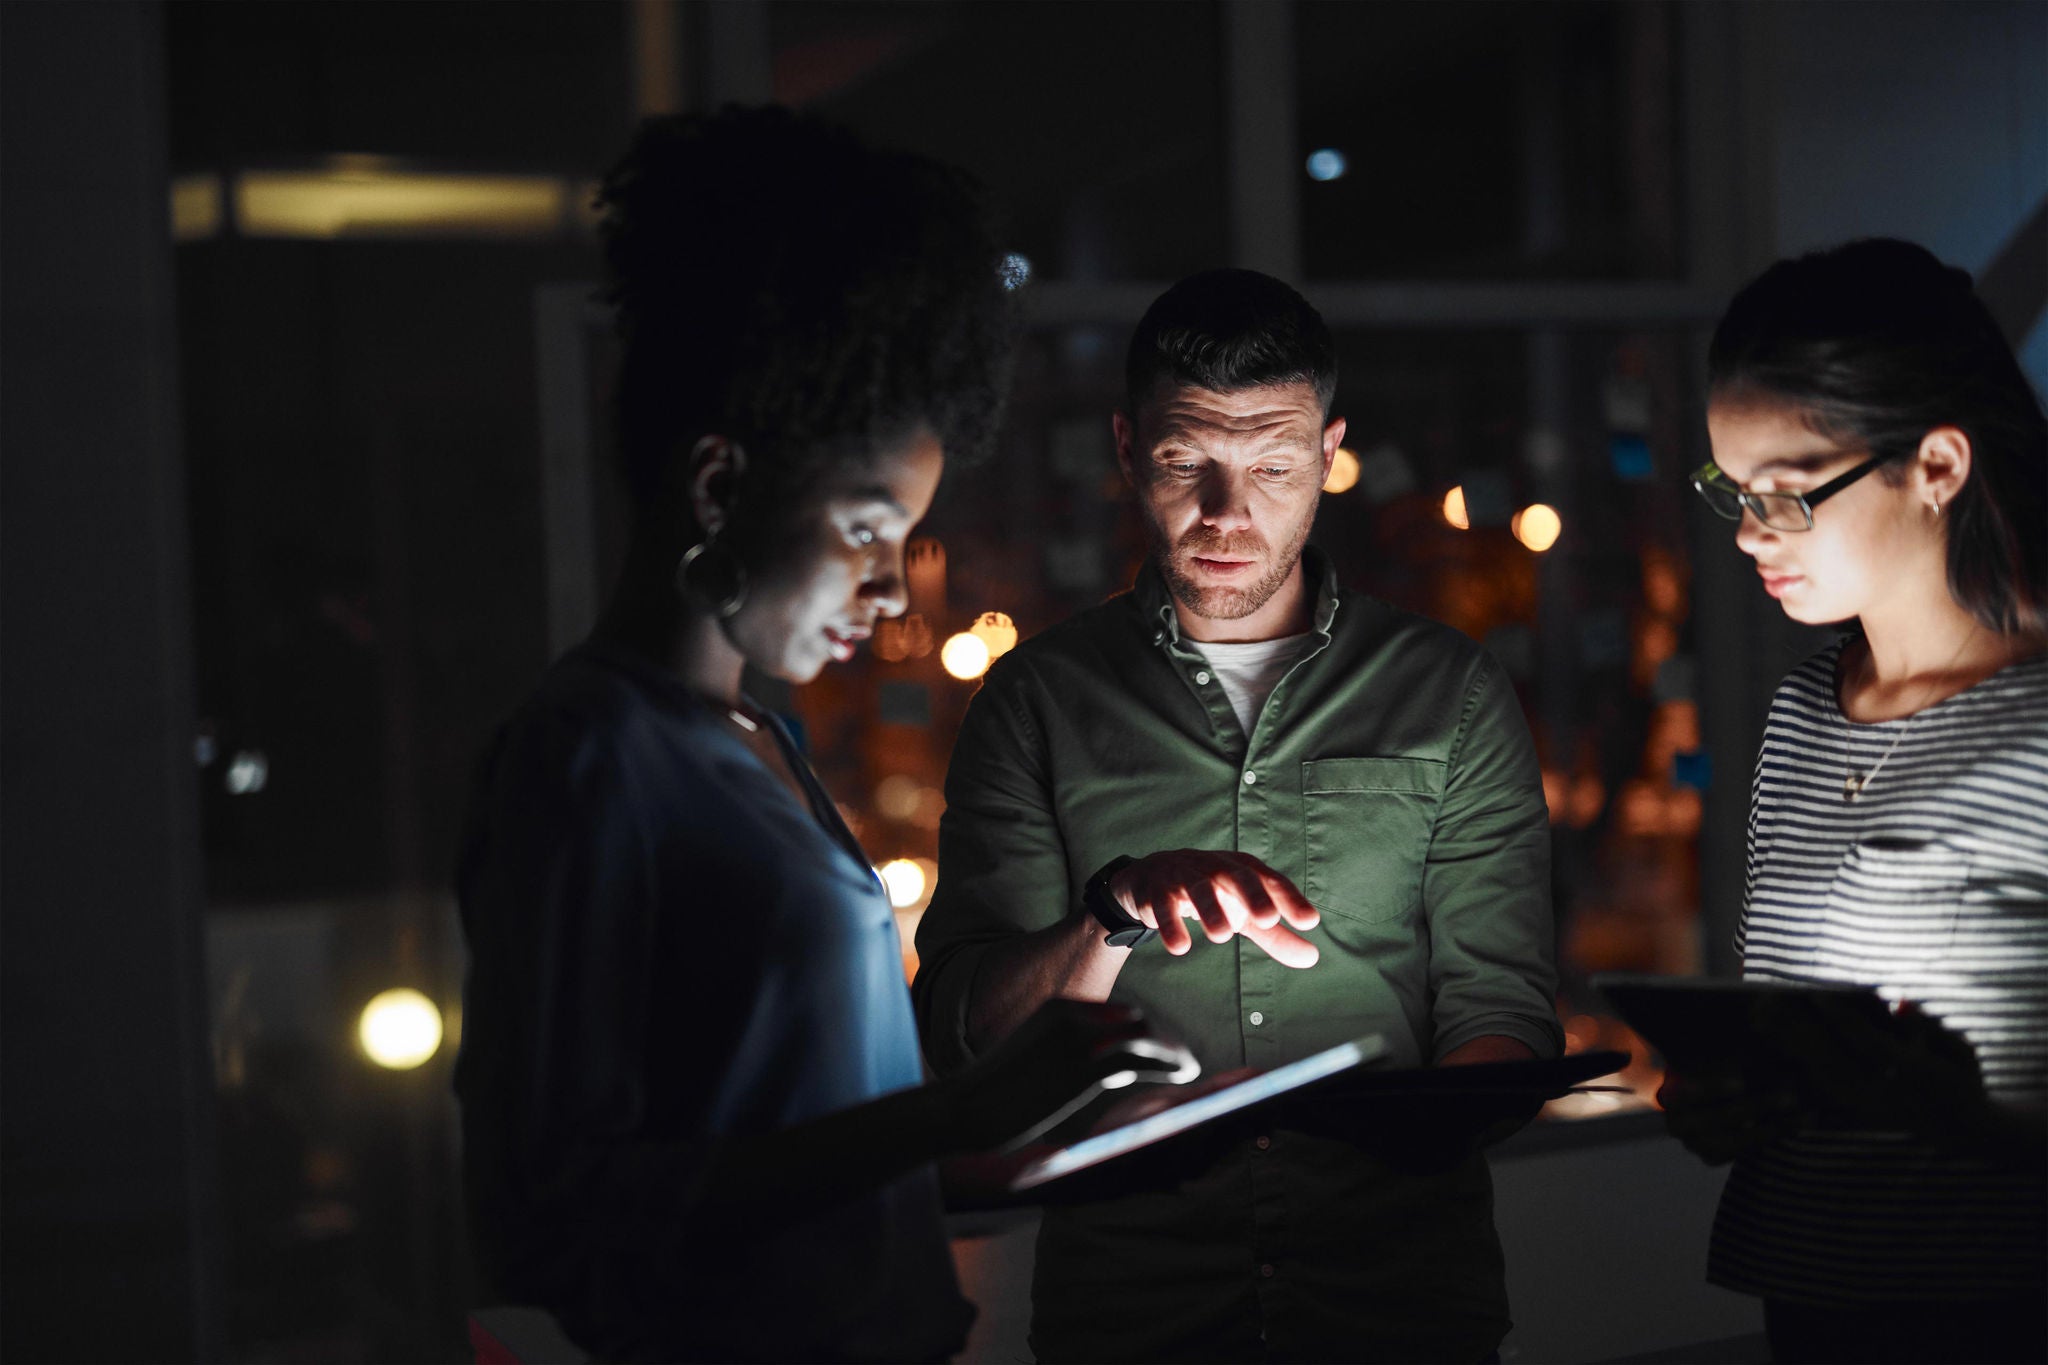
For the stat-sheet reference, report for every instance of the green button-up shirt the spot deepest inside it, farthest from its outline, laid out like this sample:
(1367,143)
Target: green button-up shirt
(1390,775)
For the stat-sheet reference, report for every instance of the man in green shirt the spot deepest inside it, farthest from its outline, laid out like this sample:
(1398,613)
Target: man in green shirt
(1342,797)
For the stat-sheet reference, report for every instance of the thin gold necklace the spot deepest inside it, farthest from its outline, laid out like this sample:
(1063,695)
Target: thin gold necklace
(1853,782)
(738,715)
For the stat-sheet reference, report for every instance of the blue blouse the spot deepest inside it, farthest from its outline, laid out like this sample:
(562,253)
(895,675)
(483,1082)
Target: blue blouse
(668,951)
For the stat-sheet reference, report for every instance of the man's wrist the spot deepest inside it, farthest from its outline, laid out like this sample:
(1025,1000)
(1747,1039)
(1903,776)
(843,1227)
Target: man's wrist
(1122,928)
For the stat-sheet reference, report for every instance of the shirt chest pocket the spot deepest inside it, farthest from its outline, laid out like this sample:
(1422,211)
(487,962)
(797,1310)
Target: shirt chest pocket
(1367,823)
(1894,906)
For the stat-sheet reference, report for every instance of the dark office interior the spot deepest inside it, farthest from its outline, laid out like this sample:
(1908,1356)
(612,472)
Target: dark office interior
(307,475)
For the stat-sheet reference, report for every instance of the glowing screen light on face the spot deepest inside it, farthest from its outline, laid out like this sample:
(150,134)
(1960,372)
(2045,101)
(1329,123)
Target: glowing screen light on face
(965,656)
(400,1029)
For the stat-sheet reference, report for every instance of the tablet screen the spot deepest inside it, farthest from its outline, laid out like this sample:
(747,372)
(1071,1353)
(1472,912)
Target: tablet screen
(1181,1117)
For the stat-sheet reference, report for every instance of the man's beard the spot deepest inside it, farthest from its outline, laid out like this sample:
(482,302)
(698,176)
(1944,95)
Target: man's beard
(1223,602)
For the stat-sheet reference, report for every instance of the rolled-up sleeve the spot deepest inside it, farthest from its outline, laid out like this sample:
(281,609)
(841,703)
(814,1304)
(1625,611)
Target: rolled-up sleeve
(1486,883)
(1002,861)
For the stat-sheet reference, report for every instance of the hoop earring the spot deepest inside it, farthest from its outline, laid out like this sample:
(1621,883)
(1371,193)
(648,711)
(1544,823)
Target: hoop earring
(727,586)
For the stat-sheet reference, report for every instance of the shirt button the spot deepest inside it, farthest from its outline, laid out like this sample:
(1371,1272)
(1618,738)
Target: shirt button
(1202,677)
(1267,1271)
(1257,1018)
(1264,1143)
(1250,777)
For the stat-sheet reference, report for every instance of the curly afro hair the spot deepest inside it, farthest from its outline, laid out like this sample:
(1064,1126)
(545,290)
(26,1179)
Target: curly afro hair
(781,284)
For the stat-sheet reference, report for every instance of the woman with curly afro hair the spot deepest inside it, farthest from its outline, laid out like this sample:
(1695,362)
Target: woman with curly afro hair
(692,1117)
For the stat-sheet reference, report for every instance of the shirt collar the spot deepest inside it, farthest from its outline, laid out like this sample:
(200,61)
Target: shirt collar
(1155,599)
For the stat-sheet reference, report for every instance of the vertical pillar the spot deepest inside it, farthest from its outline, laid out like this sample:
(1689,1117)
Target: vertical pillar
(1743,643)
(1265,171)
(657,57)
(105,1224)
(739,61)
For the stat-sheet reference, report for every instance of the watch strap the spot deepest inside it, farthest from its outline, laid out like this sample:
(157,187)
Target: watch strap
(1125,929)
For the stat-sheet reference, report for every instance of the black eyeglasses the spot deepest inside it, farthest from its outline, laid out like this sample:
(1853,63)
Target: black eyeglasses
(1779,511)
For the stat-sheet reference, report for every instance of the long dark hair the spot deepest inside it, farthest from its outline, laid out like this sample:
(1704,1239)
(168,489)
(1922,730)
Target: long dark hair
(1875,344)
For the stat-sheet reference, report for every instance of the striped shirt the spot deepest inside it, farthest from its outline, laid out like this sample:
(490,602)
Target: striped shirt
(1932,886)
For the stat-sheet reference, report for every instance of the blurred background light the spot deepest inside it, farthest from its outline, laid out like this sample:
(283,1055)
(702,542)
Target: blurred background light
(965,656)
(1343,472)
(1016,270)
(896,796)
(1327,163)
(905,881)
(400,1029)
(924,564)
(1538,526)
(196,211)
(1454,509)
(366,200)
(1384,473)
(997,631)
(248,773)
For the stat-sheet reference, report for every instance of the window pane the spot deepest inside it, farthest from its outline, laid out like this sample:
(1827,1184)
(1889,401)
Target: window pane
(1563,455)
(1484,140)
(1099,126)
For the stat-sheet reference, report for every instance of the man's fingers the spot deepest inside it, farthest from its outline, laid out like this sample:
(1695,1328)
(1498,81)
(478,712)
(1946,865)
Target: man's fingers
(1283,945)
(1229,893)
(1284,894)
(1249,890)
(1293,906)
(1154,915)
(1172,911)
(1215,923)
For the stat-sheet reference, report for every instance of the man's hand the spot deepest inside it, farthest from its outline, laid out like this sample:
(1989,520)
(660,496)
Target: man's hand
(1487,1049)
(1227,893)
(1065,1054)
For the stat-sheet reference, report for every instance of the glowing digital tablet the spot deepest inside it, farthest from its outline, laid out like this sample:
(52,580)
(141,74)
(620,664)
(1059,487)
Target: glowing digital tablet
(1199,1110)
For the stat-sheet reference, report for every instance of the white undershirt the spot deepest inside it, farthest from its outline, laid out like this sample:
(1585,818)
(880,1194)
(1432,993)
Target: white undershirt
(1250,672)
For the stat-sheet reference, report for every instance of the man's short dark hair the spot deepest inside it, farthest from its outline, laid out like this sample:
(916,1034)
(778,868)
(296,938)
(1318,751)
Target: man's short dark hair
(1227,330)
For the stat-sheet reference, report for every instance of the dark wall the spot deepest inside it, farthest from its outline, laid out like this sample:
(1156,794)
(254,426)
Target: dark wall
(107,1151)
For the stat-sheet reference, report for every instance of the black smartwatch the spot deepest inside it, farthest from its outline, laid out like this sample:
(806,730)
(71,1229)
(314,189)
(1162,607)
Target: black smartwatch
(1125,929)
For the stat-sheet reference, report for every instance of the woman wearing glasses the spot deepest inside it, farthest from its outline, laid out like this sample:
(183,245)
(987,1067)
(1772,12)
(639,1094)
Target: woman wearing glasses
(1885,458)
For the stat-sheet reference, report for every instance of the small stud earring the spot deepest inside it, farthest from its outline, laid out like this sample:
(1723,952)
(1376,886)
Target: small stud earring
(1937,504)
